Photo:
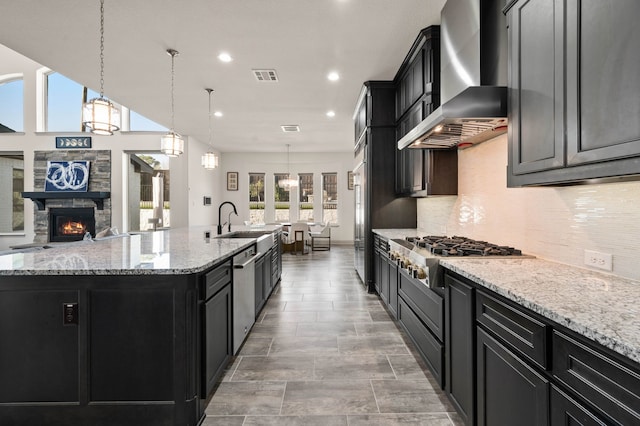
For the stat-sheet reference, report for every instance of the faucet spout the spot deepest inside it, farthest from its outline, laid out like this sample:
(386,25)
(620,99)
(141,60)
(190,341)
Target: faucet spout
(220,225)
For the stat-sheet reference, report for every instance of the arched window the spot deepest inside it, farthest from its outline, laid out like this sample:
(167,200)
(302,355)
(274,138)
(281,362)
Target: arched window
(11,103)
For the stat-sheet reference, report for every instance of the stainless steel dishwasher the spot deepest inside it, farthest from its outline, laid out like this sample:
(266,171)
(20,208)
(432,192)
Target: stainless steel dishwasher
(244,276)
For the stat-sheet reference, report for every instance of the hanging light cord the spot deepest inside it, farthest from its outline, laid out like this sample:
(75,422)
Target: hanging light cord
(173,54)
(101,48)
(209,90)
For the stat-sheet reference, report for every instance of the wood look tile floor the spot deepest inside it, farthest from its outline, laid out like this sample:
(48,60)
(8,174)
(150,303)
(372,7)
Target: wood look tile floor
(324,352)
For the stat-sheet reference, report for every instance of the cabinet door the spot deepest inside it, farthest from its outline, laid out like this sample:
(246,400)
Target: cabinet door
(218,343)
(459,346)
(603,80)
(417,80)
(565,411)
(32,321)
(536,83)
(384,283)
(260,296)
(509,391)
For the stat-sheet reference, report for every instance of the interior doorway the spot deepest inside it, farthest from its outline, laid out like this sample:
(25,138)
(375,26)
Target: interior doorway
(149,199)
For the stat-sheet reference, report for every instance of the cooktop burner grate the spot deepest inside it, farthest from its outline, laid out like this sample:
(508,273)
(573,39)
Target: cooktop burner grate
(461,246)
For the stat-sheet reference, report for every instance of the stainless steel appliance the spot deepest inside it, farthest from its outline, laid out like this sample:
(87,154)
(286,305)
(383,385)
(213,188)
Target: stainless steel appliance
(244,276)
(415,253)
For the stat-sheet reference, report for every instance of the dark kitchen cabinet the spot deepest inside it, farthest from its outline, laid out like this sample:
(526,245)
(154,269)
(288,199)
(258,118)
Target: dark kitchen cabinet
(509,391)
(390,277)
(573,91)
(421,314)
(527,369)
(31,321)
(218,326)
(459,345)
(378,206)
(566,411)
(260,295)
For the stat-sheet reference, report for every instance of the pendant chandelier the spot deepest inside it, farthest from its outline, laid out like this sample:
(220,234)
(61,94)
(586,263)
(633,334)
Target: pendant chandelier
(100,115)
(209,159)
(172,144)
(288,183)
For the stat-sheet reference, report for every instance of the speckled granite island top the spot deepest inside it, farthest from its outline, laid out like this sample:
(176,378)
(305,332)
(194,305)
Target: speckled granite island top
(174,251)
(599,306)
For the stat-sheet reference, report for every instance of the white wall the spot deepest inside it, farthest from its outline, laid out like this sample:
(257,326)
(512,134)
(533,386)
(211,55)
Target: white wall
(556,223)
(270,163)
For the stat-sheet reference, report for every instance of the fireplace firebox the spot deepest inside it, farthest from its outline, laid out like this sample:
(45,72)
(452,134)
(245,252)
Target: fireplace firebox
(71,224)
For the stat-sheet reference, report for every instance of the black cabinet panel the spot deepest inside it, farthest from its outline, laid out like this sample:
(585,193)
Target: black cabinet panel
(573,101)
(509,391)
(31,324)
(124,367)
(390,274)
(429,346)
(427,305)
(460,346)
(566,411)
(260,295)
(522,332)
(605,383)
(217,331)
(217,278)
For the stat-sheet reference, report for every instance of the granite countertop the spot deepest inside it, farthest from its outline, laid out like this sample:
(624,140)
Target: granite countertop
(173,251)
(599,306)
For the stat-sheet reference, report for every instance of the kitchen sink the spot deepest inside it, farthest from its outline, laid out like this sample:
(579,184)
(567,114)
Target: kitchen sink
(245,234)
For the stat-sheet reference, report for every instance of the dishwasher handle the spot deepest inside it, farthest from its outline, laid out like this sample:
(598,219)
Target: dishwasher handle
(252,259)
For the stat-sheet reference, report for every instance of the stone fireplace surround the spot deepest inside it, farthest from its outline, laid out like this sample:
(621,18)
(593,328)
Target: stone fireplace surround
(99,181)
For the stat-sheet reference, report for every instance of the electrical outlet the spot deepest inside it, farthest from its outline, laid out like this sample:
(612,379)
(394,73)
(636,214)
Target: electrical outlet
(598,260)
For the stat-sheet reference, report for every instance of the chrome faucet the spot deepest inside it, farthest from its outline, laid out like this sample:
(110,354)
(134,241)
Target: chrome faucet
(235,211)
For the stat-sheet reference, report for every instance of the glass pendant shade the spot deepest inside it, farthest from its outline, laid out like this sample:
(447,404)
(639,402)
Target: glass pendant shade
(101,117)
(209,160)
(288,183)
(172,144)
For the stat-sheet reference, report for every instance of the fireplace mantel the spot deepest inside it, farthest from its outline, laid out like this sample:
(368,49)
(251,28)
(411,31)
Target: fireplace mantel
(40,198)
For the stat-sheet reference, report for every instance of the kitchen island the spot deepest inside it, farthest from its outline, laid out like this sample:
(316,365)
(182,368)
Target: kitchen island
(111,332)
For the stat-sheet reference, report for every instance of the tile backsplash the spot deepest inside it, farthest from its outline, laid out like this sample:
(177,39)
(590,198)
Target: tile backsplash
(554,223)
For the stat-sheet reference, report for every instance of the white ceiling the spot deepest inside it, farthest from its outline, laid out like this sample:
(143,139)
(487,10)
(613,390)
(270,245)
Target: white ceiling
(303,40)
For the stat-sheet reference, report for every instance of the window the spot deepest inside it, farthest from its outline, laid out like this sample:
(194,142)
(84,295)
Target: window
(11,185)
(11,103)
(139,123)
(330,197)
(305,197)
(64,103)
(281,194)
(256,197)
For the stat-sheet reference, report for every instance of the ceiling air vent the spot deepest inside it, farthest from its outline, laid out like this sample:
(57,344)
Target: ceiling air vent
(290,128)
(268,76)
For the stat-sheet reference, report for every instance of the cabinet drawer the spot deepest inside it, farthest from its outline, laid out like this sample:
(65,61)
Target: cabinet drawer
(605,383)
(430,348)
(426,304)
(217,278)
(565,411)
(518,330)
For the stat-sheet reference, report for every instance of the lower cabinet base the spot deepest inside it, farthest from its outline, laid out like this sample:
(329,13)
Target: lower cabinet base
(430,348)
(152,413)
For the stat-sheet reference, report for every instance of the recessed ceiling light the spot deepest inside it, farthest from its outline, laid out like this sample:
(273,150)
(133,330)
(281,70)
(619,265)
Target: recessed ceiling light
(333,76)
(331,113)
(225,57)
(218,114)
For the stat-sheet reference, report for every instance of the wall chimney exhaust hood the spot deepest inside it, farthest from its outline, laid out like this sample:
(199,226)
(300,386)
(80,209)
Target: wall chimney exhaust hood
(473,36)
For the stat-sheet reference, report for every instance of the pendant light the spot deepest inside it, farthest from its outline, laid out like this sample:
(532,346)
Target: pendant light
(209,159)
(100,115)
(172,144)
(287,183)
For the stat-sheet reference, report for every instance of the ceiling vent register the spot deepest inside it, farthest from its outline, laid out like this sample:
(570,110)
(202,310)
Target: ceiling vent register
(288,128)
(266,76)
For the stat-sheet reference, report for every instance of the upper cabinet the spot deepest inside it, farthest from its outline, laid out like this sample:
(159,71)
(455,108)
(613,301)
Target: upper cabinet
(574,91)
(418,172)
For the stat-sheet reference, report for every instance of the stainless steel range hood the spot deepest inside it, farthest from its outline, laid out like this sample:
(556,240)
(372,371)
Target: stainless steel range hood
(473,78)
